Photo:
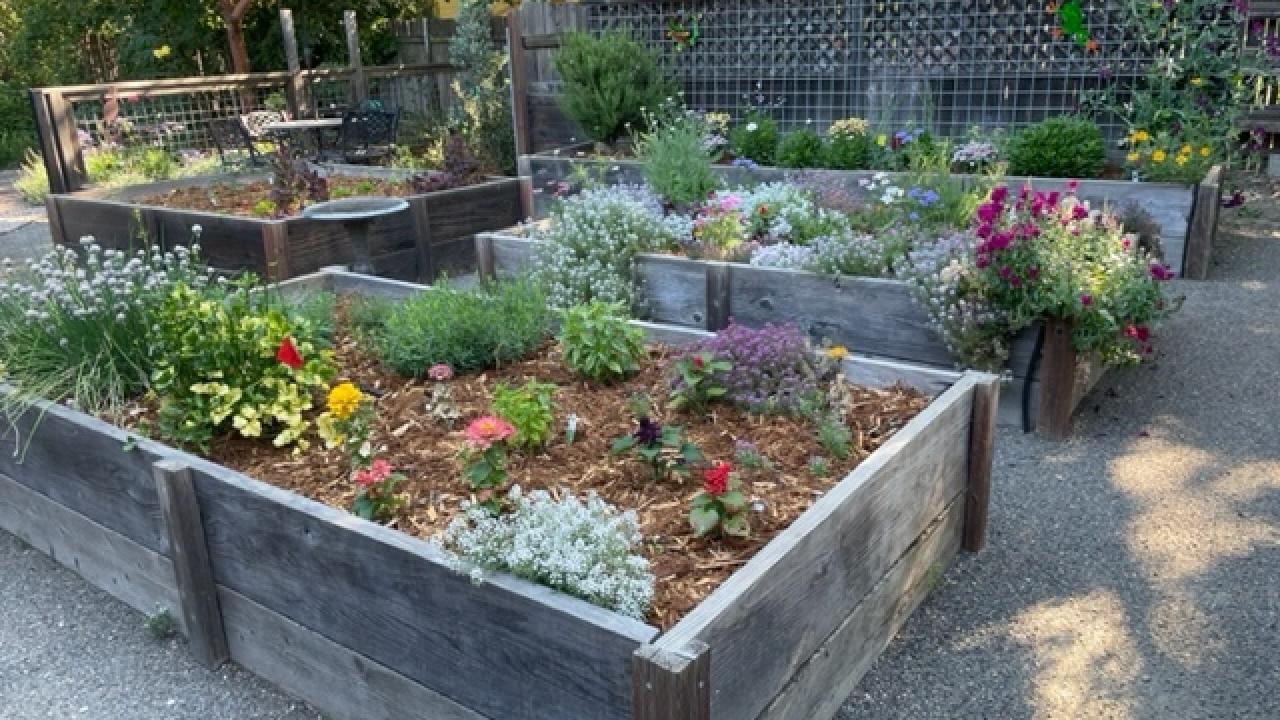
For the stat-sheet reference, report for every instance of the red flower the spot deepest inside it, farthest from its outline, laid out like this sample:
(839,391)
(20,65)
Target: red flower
(288,354)
(764,210)
(715,480)
(698,362)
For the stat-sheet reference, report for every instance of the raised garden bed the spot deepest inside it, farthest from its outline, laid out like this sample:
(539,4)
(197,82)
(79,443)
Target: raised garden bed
(433,237)
(365,621)
(1186,214)
(872,316)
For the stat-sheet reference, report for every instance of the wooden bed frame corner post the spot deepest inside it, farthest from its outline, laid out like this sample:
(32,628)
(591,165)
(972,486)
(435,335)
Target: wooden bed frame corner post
(54,211)
(982,437)
(668,685)
(1204,225)
(420,210)
(275,245)
(484,256)
(190,555)
(719,289)
(519,82)
(1057,380)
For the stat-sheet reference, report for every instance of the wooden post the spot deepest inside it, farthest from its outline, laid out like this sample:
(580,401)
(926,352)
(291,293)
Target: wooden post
(200,611)
(421,213)
(519,82)
(56,233)
(527,207)
(275,245)
(359,89)
(295,90)
(671,686)
(48,141)
(982,443)
(59,141)
(1204,225)
(484,256)
(718,287)
(1057,380)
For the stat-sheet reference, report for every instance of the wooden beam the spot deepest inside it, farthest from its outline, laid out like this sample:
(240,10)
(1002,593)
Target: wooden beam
(295,89)
(48,140)
(56,232)
(1057,380)
(275,243)
(67,141)
(548,41)
(1204,225)
(420,210)
(199,596)
(359,90)
(519,82)
(982,442)
(670,685)
(719,288)
(485,261)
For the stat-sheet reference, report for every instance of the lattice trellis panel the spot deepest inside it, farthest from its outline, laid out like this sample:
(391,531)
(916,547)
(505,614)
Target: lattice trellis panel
(951,63)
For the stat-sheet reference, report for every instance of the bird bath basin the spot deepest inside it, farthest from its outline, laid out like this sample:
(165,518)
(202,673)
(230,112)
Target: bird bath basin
(356,215)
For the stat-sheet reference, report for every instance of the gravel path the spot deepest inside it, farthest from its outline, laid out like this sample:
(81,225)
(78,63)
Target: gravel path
(1132,572)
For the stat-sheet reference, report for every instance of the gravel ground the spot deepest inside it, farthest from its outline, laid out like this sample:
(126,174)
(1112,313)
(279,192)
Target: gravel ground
(1132,572)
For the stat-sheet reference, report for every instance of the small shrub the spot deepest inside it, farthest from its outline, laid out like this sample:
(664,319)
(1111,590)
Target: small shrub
(663,448)
(800,149)
(33,179)
(834,436)
(1067,147)
(586,549)
(608,81)
(677,165)
(467,330)
(153,163)
(599,343)
(530,409)
(755,139)
(264,208)
(161,625)
(848,145)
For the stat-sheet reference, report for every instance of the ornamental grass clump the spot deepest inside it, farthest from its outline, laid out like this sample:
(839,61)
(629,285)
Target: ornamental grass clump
(587,549)
(772,369)
(81,327)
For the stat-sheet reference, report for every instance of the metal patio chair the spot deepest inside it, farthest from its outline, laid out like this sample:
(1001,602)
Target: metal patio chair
(368,136)
(236,149)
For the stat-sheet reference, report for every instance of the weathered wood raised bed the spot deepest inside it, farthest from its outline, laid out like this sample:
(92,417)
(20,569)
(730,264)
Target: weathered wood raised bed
(872,316)
(1187,214)
(434,236)
(366,622)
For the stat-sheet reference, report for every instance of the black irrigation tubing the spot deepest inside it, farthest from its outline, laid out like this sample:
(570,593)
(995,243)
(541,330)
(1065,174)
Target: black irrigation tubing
(1032,366)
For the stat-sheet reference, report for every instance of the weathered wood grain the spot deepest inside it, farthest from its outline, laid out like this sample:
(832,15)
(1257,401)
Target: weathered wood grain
(671,684)
(511,255)
(1057,379)
(80,462)
(54,212)
(821,685)
(982,444)
(673,290)
(112,225)
(342,683)
(882,373)
(199,597)
(140,578)
(279,252)
(1204,225)
(796,591)
(719,289)
(395,600)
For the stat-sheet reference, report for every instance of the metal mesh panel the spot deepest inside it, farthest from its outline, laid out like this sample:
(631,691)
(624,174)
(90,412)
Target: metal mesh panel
(951,63)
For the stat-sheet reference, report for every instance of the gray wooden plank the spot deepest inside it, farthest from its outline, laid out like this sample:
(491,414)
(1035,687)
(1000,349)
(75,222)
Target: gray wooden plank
(140,578)
(340,682)
(190,556)
(463,212)
(1204,226)
(671,685)
(882,373)
(982,444)
(395,599)
(81,463)
(512,254)
(822,684)
(673,290)
(770,616)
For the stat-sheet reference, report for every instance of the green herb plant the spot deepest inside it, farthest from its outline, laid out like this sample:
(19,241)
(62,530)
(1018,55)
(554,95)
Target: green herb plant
(599,343)
(530,408)
(695,384)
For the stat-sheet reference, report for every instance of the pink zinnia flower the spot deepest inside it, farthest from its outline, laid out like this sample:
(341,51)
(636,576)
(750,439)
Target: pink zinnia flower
(487,430)
(440,372)
(379,471)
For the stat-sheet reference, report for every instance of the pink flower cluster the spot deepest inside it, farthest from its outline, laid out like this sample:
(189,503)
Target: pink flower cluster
(487,430)
(440,372)
(375,475)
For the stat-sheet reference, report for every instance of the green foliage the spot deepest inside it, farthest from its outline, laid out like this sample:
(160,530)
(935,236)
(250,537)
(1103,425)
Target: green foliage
(221,364)
(800,149)
(721,507)
(530,409)
(834,435)
(663,448)
(315,311)
(755,139)
(160,624)
(467,330)
(609,80)
(33,180)
(600,343)
(819,466)
(847,151)
(695,384)
(677,165)
(1069,146)
(265,208)
(483,111)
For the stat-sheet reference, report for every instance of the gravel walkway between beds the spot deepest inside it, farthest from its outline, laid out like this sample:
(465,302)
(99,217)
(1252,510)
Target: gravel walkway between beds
(1133,572)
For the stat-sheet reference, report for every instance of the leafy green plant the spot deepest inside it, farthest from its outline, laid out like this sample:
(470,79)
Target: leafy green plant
(160,624)
(1068,146)
(677,165)
(609,80)
(600,343)
(484,459)
(756,138)
(819,466)
(153,163)
(848,146)
(800,149)
(33,179)
(662,447)
(834,435)
(530,409)
(721,507)
(696,383)
(264,208)
(467,330)
(376,496)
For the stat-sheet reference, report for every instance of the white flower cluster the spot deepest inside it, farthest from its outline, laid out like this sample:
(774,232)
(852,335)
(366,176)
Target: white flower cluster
(783,255)
(583,549)
(975,153)
(881,187)
(587,250)
(850,254)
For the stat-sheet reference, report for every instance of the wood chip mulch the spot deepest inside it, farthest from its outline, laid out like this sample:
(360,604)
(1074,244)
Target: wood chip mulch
(239,198)
(687,568)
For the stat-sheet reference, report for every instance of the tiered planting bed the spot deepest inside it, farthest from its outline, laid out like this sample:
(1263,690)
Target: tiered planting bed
(366,621)
(434,236)
(1186,214)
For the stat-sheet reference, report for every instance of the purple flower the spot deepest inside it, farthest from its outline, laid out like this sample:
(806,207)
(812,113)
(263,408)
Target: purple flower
(1086,299)
(1161,272)
(648,432)
(746,163)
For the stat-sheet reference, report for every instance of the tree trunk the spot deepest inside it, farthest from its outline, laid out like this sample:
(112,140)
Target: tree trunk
(235,43)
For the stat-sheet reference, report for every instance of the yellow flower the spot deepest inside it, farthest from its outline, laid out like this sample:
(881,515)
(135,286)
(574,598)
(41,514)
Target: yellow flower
(1197,81)
(1184,150)
(837,352)
(161,52)
(1132,157)
(344,400)
(1182,159)
(1205,151)
(1158,156)
(1141,136)
(882,139)
(848,126)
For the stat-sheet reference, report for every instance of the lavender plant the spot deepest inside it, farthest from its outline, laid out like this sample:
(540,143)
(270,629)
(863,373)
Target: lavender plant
(773,369)
(586,549)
